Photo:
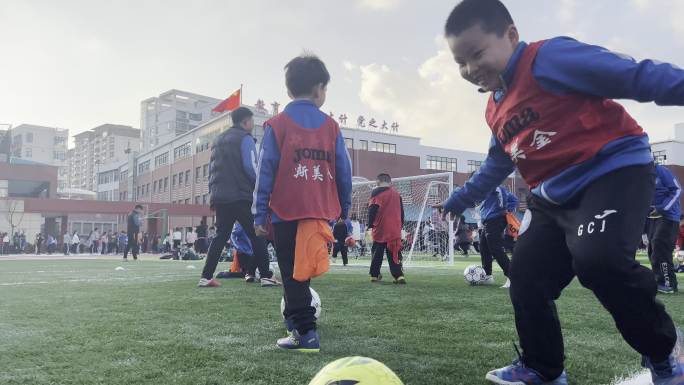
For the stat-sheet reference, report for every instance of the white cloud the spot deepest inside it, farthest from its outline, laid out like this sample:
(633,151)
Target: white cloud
(433,102)
(349,66)
(377,5)
(567,10)
(676,18)
(640,4)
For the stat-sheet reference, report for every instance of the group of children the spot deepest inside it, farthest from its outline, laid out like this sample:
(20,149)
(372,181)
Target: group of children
(553,119)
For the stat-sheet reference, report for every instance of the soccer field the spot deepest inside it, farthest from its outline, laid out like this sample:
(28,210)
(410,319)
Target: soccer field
(83,322)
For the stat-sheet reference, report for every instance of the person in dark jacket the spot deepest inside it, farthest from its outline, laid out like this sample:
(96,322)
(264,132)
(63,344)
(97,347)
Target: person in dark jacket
(341,231)
(663,228)
(232,177)
(201,242)
(492,241)
(133,228)
(464,240)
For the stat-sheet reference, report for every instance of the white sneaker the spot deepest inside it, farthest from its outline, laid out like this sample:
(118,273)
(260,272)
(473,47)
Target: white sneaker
(488,281)
(265,282)
(507,285)
(203,282)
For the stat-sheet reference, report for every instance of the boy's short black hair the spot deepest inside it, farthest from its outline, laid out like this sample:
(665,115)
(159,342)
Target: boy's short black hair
(138,207)
(491,14)
(240,114)
(303,73)
(384,177)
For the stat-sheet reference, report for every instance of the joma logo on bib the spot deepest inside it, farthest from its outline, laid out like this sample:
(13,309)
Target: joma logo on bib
(312,153)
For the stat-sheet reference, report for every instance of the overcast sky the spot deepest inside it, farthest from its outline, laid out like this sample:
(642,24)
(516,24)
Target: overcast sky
(79,64)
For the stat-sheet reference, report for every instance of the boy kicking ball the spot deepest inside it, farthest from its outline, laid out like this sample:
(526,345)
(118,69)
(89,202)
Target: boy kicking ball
(591,172)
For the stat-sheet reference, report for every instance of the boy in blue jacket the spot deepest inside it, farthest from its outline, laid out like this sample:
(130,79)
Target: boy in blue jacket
(663,228)
(591,173)
(493,213)
(304,173)
(243,246)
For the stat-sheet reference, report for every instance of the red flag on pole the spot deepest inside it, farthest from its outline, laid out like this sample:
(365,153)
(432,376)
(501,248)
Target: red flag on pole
(232,103)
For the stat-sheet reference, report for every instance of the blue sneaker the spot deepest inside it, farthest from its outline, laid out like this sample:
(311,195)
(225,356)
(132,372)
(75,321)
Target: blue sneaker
(670,372)
(518,374)
(663,289)
(308,343)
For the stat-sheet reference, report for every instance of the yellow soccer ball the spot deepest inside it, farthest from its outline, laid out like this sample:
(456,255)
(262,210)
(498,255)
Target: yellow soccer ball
(356,371)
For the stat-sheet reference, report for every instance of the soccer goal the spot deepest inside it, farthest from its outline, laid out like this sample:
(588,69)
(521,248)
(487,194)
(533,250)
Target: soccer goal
(426,238)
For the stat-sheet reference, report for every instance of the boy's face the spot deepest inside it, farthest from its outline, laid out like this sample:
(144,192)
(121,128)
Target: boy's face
(482,56)
(248,124)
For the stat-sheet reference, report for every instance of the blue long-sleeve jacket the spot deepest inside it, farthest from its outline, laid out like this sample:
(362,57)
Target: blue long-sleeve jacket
(306,115)
(240,240)
(497,203)
(249,157)
(667,194)
(564,65)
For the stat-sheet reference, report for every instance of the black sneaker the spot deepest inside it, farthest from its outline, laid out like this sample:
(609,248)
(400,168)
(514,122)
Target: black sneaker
(249,278)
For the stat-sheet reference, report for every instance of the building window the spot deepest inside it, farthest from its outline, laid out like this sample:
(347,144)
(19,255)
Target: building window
(441,163)
(29,137)
(166,183)
(349,142)
(198,169)
(154,187)
(197,199)
(660,157)
(383,147)
(364,145)
(182,151)
(187,176)
(204,199)
(181,115)
(195,117)
(180,178)
(144,167)
(187,201)
(161,159)
(59,140)
(173,183)
(205,169)
(474,165)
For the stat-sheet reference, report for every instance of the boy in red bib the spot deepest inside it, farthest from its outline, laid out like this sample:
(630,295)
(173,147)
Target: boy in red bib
(591,173)
(304,177)
(386,219)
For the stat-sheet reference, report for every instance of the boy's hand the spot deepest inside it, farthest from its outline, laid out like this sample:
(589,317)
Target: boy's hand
(260,230)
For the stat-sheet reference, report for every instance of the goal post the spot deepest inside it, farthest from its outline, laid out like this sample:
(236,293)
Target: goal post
(426,238)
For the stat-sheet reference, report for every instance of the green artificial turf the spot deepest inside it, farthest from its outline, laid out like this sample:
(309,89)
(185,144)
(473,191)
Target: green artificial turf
(83,322)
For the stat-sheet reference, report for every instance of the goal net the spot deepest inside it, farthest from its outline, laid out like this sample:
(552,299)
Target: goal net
(426,237)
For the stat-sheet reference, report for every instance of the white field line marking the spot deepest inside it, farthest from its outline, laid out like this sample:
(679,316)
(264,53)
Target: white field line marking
(641,378)
(165,277)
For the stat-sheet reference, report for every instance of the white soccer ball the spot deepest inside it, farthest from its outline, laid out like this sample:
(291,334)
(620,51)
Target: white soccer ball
(474,274)
(315,303)
(680,256)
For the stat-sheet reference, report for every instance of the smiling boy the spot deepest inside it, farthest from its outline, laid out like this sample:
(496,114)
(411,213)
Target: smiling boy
(590,169)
